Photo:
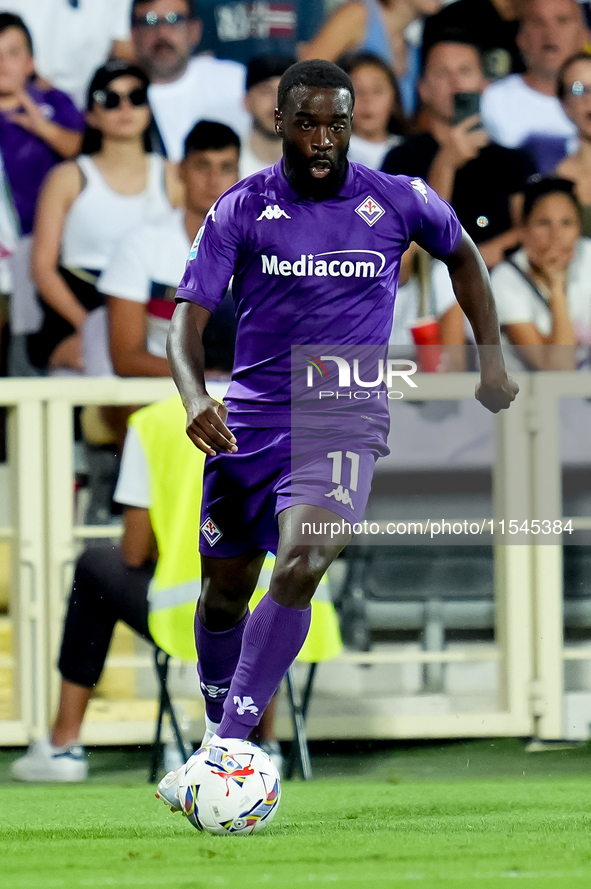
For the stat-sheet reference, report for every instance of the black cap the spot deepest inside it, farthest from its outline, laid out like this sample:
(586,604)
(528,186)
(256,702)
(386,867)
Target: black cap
(262,68)
(111,71)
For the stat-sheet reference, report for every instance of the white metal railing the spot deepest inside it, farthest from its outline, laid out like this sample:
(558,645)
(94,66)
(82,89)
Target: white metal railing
(528,645)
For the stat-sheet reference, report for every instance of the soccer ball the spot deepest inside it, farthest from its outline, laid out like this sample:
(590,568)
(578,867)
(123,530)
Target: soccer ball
(231,787)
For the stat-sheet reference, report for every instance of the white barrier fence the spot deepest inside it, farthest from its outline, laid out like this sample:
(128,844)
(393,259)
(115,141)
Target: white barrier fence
(528,647)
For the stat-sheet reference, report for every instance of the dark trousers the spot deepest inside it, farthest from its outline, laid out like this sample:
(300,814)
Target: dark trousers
(104,591)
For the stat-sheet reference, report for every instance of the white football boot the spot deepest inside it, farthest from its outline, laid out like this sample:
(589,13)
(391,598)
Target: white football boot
(168,790)
(44,762)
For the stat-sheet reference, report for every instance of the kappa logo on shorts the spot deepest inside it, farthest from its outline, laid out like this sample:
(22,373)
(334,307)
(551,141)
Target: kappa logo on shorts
(370,211)
(210,531)
(341,495)
(273,212)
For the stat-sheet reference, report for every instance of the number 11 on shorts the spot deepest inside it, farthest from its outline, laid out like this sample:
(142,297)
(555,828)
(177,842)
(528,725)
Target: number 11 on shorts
(337,468)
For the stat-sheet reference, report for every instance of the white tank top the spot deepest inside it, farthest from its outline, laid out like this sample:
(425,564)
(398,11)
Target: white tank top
(100,217)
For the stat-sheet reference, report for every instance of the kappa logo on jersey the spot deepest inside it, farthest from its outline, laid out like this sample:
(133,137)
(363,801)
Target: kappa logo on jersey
(370,211)
(245,705)
(341,495)
(420,186)
(273,212)
(211,532)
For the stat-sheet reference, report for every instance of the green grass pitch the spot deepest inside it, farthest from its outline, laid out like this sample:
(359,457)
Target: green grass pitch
(454,816)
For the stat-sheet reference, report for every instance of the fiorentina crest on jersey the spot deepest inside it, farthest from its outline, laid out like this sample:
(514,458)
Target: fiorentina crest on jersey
(370,211)
(210,531)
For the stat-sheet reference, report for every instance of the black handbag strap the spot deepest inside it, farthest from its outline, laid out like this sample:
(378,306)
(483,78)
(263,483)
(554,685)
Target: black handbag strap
(530,281)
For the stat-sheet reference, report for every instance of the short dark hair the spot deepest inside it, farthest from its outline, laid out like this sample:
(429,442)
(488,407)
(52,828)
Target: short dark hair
(561,78)
(451,35)
(9,20)
(538,187)
(209,135)
(316,73)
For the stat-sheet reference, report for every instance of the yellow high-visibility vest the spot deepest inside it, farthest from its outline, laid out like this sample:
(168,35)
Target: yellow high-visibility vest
(175,468)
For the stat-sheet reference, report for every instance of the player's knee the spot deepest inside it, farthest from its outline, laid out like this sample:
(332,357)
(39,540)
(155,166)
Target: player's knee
(221,607)
(296,577)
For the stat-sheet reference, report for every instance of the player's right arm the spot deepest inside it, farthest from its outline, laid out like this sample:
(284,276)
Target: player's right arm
(205,416)
(212,262)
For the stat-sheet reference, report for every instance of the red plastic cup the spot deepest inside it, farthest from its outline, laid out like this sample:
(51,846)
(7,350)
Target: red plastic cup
(425,333)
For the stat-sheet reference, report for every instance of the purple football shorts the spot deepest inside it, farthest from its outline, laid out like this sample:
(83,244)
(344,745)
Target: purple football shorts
(273,469)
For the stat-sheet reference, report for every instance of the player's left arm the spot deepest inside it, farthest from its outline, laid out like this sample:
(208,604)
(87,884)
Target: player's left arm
(471,285)
(433,224)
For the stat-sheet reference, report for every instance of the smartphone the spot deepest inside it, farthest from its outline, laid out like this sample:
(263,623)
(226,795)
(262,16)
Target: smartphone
(466,105)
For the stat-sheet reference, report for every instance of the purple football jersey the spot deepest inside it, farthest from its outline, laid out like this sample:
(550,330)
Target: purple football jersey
(308,272)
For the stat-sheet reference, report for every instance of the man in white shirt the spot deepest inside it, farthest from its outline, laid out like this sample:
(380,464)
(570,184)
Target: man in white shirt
(184,88)
(261,146)
(522,110)
(72,38)
(143,275)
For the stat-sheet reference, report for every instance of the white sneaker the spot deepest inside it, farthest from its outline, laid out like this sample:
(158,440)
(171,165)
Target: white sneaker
(44,762)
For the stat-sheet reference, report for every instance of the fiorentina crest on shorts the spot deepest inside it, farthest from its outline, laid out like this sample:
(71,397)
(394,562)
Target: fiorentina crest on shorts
(210,531)
(370,211)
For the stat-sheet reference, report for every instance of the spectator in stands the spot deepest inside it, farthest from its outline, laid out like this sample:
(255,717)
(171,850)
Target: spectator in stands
(141,280)
(428,293)
(184,89)
(574,91)
(378,123)
(380,27)
(243,30)
(38,128)
(523,110)
(261,146)
(543,292)
(491,25)
(72,38)
(482,180)
(87,205)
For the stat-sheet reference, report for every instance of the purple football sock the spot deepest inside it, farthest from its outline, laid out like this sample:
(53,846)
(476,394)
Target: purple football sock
(271,641)
(217,655)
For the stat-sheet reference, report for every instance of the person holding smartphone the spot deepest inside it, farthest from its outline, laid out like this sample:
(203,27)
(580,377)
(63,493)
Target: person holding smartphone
(483,181)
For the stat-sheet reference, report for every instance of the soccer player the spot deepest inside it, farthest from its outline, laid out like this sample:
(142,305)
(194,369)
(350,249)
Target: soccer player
(291,237)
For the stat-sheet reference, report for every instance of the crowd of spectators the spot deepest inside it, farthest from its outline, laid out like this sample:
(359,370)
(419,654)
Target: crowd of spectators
(122,121)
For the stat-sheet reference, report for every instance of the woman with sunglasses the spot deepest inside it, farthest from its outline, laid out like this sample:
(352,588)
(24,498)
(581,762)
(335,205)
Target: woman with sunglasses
(574,92)
(87,205)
